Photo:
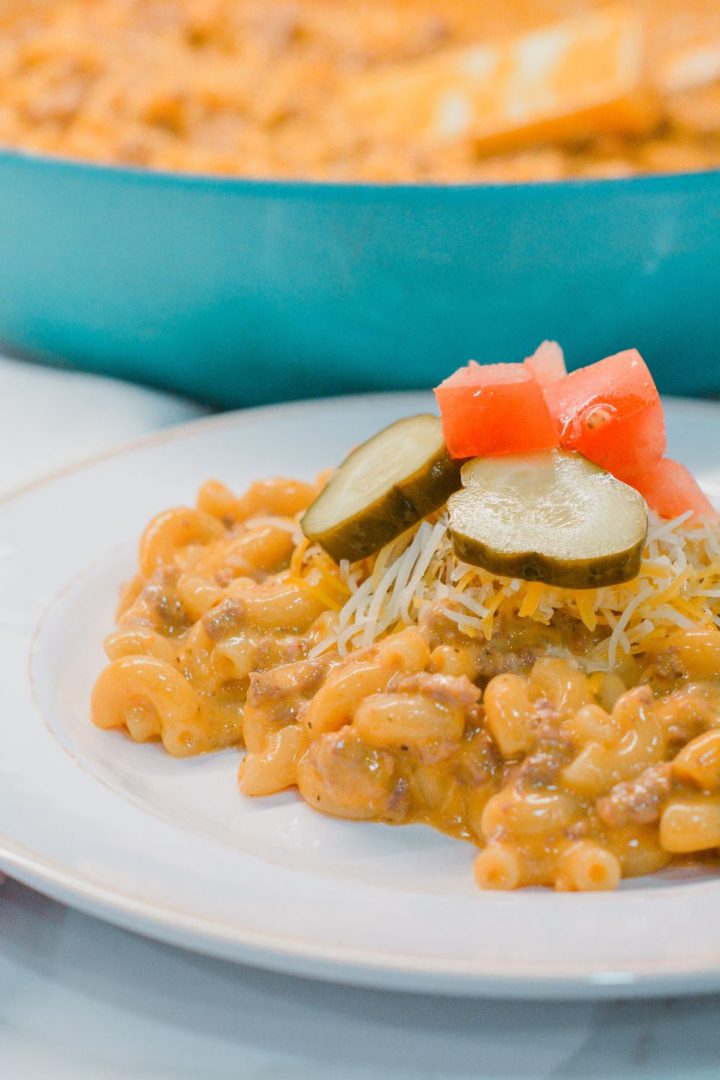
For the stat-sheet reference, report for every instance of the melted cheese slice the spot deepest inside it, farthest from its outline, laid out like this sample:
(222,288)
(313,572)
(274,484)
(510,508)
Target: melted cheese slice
(580,76)
(683,43)
(690,67)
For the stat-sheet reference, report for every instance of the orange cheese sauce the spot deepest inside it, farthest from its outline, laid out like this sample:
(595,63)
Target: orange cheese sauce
(558,774)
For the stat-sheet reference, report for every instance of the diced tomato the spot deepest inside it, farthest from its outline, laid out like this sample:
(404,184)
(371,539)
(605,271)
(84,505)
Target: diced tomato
(670,489)
(610,412)
(547,363)
(494,409)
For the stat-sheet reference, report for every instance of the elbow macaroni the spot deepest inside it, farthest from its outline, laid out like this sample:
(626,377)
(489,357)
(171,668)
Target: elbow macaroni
(559,777)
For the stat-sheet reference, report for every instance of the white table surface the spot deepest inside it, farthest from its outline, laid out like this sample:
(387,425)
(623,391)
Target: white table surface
(80,1000)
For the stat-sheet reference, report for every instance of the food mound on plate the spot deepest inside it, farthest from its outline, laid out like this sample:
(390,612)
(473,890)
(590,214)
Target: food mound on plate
(386,90)
(504,623)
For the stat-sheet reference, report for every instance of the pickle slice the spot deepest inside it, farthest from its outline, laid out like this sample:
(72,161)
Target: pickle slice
(552,517)
(382,488)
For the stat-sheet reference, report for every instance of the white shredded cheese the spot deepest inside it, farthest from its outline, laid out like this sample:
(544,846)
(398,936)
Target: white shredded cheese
(678,586)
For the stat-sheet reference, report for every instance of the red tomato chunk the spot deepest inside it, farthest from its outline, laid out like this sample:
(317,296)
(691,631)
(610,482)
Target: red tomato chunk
(493,409)
(670,490)
(547,363)
(611,412)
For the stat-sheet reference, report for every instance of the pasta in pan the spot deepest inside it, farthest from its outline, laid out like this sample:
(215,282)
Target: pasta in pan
(389,91)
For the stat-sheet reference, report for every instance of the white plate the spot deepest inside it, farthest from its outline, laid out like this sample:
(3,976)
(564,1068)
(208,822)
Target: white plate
(170,849)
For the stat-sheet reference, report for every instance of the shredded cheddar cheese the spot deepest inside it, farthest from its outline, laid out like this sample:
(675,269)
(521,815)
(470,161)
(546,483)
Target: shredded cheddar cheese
(678,587)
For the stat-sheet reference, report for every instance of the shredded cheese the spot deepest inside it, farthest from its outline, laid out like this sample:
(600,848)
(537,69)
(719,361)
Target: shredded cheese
(678,586)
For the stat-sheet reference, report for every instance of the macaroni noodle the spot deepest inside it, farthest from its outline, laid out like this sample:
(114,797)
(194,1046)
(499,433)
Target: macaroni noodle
(563,772)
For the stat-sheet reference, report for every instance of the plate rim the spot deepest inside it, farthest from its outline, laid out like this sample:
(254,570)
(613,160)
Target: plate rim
(231,417)
(344,965)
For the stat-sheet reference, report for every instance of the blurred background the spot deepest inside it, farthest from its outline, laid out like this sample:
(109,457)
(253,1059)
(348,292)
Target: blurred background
(247,202)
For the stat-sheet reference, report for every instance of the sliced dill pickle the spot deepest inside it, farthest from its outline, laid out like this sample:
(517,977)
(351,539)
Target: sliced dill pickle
(553,517)
(382,488)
